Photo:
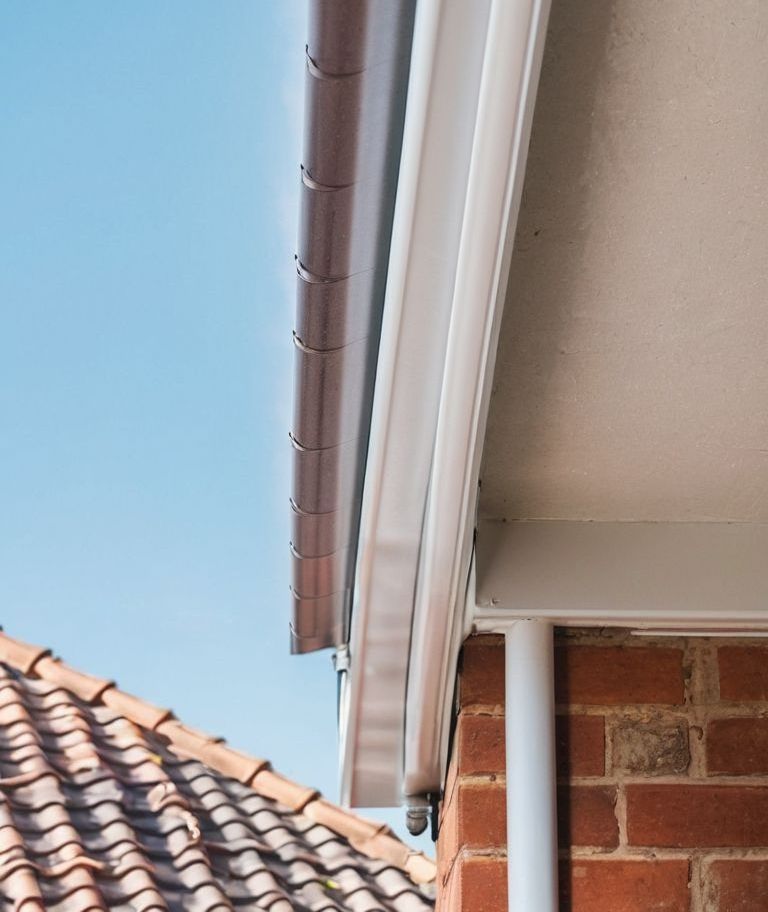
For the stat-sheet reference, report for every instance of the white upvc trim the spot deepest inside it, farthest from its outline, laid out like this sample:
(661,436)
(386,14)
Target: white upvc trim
(531,783)
(474,70)
(676,576)
(511,65)
(437,141)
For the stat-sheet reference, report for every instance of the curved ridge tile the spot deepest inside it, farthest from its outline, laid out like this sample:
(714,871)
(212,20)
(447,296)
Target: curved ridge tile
(20,655)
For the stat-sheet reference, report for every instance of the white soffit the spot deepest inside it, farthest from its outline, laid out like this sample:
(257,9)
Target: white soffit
(473,73)
(632,374)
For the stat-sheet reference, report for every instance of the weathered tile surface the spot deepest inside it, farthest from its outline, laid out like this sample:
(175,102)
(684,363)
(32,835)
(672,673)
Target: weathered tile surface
(97,812)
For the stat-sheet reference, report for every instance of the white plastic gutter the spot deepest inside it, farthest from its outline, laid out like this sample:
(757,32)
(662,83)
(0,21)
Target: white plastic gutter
(474,72)
(513,47)
(446,68)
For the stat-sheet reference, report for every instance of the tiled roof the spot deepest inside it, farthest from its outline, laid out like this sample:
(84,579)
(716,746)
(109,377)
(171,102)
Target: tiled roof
(109,803)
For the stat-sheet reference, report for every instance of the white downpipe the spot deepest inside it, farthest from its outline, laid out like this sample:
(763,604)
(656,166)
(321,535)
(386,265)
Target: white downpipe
(531,781)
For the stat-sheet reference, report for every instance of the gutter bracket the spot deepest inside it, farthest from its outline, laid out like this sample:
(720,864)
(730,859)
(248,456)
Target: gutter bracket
(341,659)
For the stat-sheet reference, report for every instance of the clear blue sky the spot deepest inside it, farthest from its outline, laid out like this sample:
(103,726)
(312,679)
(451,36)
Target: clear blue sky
(149,160)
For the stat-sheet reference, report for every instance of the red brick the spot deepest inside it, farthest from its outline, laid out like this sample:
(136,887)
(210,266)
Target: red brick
(743,672)
(479,884)
(592,885)
(586,816)
(697,816)
(616,675)
(736,886)
(737,747)
(480,744)
(482,885)
(580,745)
(602,675)
(481,814)
(481,676)
(448,832)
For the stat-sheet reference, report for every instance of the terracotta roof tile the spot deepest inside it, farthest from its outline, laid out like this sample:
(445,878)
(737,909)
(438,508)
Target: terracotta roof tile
(20,655)
(85,686)
(142,713)
(272,785)
(231,762)
(110,803)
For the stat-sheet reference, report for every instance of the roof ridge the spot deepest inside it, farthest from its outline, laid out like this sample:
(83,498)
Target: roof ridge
(372,839)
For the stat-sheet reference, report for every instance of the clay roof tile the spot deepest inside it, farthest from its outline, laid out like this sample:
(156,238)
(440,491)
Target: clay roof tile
(85,686)
(138,711)
(357,829)
(196,807)
(290,794)
(230,762)
(184,740)
(20,655)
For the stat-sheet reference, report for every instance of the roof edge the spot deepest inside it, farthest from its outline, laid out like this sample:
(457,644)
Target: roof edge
(473,80)
(445,596)
(370,838)
(357,61)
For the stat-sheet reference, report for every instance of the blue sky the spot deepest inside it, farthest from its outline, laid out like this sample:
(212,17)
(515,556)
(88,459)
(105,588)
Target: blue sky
(149,159)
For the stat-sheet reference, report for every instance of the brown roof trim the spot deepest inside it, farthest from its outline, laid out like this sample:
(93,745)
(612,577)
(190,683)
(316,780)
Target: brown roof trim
(372,839)
(358,56)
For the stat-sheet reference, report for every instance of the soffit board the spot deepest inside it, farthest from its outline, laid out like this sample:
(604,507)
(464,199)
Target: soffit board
(632,377)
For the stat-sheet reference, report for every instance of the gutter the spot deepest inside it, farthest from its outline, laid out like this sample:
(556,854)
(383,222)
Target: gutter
(512,56)
(357,68)
(474,73)
(463,163)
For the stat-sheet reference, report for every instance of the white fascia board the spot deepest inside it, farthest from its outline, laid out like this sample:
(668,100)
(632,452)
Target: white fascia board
(474,71)
(673,576)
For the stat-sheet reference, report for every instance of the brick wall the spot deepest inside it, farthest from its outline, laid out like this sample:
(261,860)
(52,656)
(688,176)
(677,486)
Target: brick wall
(662,749)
